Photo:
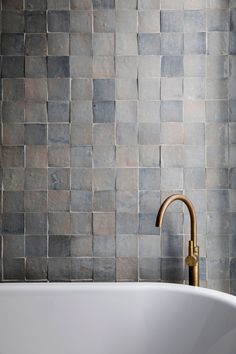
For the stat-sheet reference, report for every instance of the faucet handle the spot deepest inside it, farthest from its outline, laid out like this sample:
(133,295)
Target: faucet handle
(192,258)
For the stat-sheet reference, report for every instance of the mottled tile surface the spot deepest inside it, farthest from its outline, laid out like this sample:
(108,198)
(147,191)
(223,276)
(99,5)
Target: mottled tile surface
(107,108)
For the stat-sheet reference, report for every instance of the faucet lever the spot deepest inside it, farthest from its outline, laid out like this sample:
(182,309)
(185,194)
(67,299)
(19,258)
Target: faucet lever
(192,258)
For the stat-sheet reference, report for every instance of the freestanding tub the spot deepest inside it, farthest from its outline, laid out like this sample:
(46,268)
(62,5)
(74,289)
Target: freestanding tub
(115,318)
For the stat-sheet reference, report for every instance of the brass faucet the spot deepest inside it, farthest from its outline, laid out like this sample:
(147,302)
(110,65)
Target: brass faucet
(192,260)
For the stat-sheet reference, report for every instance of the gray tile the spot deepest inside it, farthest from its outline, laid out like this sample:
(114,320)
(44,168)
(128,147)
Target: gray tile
(172,246)
(218,20)
(172,21)
(148,43)
(149,268)
(103,134)
(35,112)
(171,111)
(103,89)
(104,246)
(104,179)
(58,112)
(13,21)
(35,22)
(35,201)
(104,21)
(59,89)
(172,269)
(58,4)
(35,44)
(14,269)
(36,156)
(149,21)
(36,268)
(12,156)
(35,4)
(81,179)
(58,67)
(81,4)
(104,112)
(59,269)
(12,44)
(35,134)
(103,4)
(13,202)
(81,44)
(195,43)
(14,246)
(59,246)
(13,66)
(149,179)
(13,112)
(194,21)
(12,5)
(218,268)
(35,224)
(80,21)
(36,179)
(127,269)
(172,156)
(148,4)
(104,224)
(81,268)
(36,89)
(81,201)
(35,67)
(104,201)
(172,66)
(149,133)
(59,178)
(149,246)
(13,134)
(104,269)
(126,223)
(81,156)
(126,246)
(13,224)
(147,224)
(58,43)
(219,42)
(149,156)
(194,178)
(58,200)
(36,246)
(103,156)
(81,111)
(127,21)
(13,89)
(172,43)
(58,134)
(81,223)
(126,133)
(59,223)
(58,21)
(126,201)
(81,246)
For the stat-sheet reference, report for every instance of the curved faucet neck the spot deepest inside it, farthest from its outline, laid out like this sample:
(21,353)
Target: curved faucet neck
(191,209)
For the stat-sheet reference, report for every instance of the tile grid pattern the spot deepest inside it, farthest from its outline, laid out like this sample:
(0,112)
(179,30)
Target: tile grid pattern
(107,109)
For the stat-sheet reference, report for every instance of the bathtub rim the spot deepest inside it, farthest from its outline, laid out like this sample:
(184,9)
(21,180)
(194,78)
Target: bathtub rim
(119,286)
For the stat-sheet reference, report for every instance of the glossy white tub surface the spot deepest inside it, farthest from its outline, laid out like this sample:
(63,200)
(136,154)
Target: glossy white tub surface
(115,318)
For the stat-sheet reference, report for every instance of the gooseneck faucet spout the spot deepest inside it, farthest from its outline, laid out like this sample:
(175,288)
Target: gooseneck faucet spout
(192,260)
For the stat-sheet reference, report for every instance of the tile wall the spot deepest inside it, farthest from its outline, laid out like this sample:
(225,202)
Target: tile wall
(108,107)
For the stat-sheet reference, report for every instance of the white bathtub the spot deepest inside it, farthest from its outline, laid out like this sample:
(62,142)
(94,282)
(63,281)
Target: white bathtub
(115,318)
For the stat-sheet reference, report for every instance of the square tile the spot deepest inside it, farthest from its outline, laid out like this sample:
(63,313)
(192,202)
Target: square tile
(81,44)
(58,67)
(58,21)
(149,21)
(35,22)
(172,21)
(80,21)
(58,44)
(35,44)
(104,21)
(35,67)
(149,44)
